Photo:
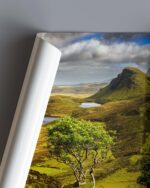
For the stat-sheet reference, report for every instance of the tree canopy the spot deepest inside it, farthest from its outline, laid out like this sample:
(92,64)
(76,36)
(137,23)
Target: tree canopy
(74,142)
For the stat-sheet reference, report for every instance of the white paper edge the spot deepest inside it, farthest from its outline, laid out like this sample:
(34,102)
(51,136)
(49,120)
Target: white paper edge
(29,113)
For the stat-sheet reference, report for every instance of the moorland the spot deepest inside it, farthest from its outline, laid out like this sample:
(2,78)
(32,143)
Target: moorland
(124,108)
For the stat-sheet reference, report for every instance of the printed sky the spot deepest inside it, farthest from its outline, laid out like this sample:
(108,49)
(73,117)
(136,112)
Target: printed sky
(99,57)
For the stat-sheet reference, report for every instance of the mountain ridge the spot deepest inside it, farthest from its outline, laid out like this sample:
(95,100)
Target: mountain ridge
(130,83)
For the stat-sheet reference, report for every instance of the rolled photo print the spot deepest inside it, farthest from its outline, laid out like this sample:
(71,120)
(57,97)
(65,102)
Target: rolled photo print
(29,113)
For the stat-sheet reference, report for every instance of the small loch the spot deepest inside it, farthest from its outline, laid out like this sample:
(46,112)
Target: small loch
(49,119)
(89,104)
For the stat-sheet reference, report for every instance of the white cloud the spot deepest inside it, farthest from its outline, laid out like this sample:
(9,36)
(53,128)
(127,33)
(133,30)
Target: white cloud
(105,52)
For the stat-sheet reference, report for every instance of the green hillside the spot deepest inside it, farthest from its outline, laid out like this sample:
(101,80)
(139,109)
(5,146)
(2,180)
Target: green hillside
(130,83)
(130,118)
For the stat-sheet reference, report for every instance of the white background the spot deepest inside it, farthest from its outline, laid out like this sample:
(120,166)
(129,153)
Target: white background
(21,19)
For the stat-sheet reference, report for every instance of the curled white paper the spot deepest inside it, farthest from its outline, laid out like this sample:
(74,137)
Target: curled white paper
(29,113)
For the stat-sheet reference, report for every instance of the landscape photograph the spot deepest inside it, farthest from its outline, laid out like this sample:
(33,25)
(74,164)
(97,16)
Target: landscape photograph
(96,129)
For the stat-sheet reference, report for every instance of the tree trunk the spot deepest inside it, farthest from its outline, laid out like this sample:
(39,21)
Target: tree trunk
(79,183)
(80,177)
(92,177)
(82,183)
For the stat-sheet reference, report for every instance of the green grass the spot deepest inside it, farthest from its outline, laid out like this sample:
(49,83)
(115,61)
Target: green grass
(129,141)
(120,179)
(48,171)
(122,176)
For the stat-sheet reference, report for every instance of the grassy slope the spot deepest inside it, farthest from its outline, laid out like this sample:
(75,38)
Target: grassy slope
(62,105)
(128,117)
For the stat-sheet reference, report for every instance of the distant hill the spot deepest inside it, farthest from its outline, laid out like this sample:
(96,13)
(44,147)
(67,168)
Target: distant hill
(78,89)
(130,83)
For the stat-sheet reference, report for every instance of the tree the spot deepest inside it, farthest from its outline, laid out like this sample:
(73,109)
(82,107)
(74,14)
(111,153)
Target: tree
(145,169)
(80,144)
